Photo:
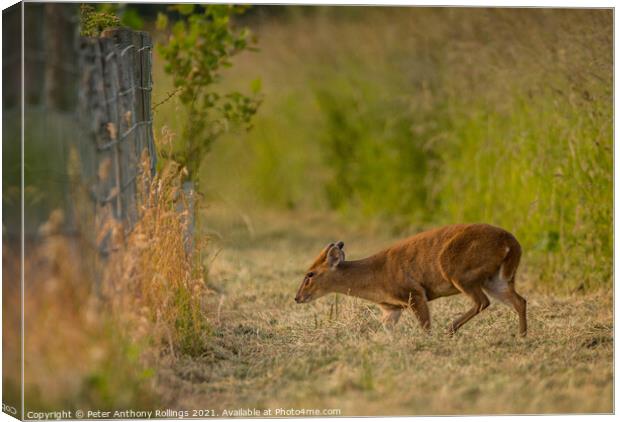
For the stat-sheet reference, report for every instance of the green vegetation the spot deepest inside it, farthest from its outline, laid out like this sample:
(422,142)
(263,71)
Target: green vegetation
(199,45)
(94,20)
(96,17)
(417,117)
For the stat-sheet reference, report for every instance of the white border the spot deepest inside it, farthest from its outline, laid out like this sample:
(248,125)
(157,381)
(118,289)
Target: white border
(450,3)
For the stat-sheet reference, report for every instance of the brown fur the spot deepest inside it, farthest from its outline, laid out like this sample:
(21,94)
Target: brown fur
(473,259)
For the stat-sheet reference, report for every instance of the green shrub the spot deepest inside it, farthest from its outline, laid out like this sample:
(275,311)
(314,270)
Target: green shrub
(198,47)
(544,172)
(94,21)
(379,165)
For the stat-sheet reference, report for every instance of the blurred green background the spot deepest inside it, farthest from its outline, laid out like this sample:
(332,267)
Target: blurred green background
(413,117)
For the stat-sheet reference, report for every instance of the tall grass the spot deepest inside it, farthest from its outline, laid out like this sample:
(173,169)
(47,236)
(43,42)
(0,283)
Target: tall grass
(99,340)
(76,354)
(530,144)
(423,116)
(156,280)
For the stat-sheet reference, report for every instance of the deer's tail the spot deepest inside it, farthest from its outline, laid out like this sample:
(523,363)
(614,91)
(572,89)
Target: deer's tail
(509,266)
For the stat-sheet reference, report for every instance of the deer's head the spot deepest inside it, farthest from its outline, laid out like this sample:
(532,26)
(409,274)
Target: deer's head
(317,281)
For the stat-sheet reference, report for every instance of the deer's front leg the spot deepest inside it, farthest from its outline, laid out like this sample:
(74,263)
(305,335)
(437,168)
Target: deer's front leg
(391,314)
(419,306)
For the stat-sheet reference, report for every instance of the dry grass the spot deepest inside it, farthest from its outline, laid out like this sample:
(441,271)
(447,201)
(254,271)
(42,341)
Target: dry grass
(153,282)
(75,353)
(250,345)
(98,348)
(267,352)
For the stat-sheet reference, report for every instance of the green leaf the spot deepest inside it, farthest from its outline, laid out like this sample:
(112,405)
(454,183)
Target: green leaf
(179,29)
(256,85)
(132,19)
(185,9)
(203,43)
(162,21)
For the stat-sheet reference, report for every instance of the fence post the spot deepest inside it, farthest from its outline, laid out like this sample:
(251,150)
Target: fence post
(115,99)
(60,36)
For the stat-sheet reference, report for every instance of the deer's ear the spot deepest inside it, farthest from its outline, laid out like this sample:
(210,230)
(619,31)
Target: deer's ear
(334,256)
(340,244)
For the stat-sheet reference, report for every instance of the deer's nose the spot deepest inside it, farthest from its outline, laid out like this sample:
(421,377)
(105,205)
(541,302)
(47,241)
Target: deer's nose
(297,299)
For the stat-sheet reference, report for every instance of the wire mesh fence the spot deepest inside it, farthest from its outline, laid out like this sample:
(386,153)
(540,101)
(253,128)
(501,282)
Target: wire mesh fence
(115,107)
(87,123)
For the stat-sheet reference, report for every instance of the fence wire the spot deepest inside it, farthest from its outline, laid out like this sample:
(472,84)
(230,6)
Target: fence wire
(88,120)
(115,99)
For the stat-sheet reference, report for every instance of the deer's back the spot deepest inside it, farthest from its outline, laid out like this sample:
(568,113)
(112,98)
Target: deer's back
(431,257)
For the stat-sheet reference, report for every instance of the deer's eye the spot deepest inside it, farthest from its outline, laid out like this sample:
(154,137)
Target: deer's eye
(310,274)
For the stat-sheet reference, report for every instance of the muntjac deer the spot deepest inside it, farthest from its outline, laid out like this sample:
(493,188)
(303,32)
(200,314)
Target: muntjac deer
(473,259)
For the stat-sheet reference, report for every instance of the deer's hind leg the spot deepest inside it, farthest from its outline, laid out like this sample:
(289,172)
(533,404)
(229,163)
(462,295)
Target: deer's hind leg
(505,292)
(467,275)
(481,302)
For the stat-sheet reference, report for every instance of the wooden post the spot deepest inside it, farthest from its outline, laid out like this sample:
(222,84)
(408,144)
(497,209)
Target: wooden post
(115,102)
(59,37)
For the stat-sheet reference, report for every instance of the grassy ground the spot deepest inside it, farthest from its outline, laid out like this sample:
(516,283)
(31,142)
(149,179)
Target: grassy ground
(268,352)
